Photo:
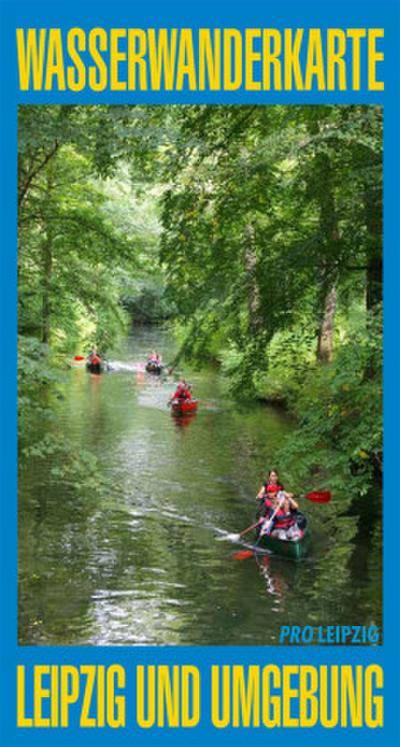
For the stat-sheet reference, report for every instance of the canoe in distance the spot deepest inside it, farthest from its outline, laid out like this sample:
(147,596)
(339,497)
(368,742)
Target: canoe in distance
(154,368)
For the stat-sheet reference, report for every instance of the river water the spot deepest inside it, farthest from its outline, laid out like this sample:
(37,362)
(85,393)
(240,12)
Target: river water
(146,560)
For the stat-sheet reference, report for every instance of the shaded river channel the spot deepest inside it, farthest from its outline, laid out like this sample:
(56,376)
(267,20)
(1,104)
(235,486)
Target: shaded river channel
(143,563)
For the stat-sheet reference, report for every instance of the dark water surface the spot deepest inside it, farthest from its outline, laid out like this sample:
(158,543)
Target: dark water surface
(143,563)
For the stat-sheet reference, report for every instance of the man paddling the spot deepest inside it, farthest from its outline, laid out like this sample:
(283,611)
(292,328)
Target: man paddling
(94,360)
(182,392)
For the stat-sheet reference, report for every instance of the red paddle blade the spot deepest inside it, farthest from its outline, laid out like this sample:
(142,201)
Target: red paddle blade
(322,496)
(79,358)
(243,555)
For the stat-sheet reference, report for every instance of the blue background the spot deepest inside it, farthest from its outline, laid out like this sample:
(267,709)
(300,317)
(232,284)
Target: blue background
(205,14)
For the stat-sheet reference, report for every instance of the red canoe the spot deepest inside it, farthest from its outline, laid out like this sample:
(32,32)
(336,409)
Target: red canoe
(185,405)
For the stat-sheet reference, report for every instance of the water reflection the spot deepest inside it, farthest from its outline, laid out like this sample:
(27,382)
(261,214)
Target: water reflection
(182,420)
(275,584)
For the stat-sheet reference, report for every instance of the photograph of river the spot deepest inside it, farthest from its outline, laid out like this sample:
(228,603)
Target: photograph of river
(244,246)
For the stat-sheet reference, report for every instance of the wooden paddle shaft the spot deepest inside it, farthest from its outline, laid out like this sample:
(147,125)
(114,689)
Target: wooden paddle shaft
(253,526)
(269,522)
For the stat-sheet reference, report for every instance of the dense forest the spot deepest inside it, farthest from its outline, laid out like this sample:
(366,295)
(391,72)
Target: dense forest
(254,232)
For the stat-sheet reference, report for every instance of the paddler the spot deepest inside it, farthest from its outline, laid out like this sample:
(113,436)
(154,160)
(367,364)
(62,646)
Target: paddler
(276,501)
(94,358)
(182,392)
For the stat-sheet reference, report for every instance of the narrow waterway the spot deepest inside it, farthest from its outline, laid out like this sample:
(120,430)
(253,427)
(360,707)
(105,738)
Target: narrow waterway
(143,562)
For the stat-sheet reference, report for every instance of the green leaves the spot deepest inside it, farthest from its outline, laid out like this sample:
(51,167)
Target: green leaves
(238,220)
(339,410)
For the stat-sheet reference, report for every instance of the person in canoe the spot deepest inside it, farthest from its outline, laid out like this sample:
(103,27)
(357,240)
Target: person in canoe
(154,362)
(182,393)
(276,502)
(93,354)
(155,357)
(94,360)
(268,491)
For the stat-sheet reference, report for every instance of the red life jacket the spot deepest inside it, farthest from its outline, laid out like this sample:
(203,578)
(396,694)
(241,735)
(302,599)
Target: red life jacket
(182,393)
(284,520)
(270,488)
(95,360)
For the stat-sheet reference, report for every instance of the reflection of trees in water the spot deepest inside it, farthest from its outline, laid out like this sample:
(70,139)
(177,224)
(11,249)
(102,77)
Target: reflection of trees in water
(60,526)
(366,560)
(345,584)
(55,548)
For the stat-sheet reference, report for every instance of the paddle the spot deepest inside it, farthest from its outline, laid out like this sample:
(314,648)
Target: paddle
(173,399)
(248,553)
(82,358)
(253,526)
(322,496)
(266,529)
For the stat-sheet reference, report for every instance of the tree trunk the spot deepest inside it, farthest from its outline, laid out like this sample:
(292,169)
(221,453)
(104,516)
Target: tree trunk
(326,329)
(250,262)
(47,266)
(26,178)
(321,188)
(373,221)
(374,272)
(330,235)
(47,257)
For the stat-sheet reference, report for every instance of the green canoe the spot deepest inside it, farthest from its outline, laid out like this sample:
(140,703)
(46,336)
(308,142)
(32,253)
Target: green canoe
(295,549)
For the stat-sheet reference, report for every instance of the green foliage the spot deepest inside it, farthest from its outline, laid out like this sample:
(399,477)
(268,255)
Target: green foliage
(37,377)
(145,301)
(258,229)
(40,378)
(339,414)
(84,240)
(268,211)
(265,209)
